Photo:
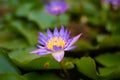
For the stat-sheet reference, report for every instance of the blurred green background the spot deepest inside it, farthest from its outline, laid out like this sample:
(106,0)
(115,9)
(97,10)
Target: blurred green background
(97,56)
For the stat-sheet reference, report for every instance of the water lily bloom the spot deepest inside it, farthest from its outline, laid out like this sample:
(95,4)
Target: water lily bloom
(55,43)
(56,7)
(115,3)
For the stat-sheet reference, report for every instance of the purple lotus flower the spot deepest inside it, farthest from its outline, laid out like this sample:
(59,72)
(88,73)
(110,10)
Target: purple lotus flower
(115,3)
(56,7)
(55,43)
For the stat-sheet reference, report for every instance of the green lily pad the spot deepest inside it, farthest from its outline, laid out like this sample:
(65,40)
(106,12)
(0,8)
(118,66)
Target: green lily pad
(86,65)
(83,46)
(30,35)
(107,70)
(115,75)
(109,60)
(28,61)
(11,76)
(38,76)
(9,40)
(110,73)
(6,65)
(110,41)
(44,20)
(23,9)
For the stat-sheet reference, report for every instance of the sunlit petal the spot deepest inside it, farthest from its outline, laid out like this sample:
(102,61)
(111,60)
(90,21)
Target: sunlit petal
(58,55)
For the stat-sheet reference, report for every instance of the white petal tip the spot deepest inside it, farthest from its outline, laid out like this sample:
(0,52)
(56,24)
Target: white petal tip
(58,56)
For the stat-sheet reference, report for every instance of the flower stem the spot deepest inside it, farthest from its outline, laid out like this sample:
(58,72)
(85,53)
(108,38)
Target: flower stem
(65,71)
(58,19)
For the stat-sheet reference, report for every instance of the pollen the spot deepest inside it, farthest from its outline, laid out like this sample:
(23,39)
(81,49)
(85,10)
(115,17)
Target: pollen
(56,41)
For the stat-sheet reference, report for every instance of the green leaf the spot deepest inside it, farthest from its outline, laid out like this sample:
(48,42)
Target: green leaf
(76,7)
(89,8)
(28,61)
(14,3)
(115,75)
(68,62)
(6,65)
(86,65)
(23,9)
(109,26)
(30,35)
(44,20)
(109,60)
(63,19)
(11,44)
(11,76)
(83,46)
(110,73)
(106,71)
(9,40)
(38,76)
(47,62)
(110,41)
(22,56)
(116,26)
(101,37)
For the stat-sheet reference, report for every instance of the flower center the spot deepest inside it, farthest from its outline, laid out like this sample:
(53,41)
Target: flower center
(56,41)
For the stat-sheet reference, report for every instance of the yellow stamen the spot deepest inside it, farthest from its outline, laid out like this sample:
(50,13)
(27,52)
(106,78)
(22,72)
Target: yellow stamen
(56,41)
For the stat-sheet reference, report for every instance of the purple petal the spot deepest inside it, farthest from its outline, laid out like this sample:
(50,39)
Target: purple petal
(60,6)
(40,52)
(67,34)
(41,47)
(62,31)
(51,6)
(44,53)
(64,7)
(70,48)
(49,33)
(68,42)
(42,37)
(56,32)
(74,40)
(37,51)
(41,42)
(58,55)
